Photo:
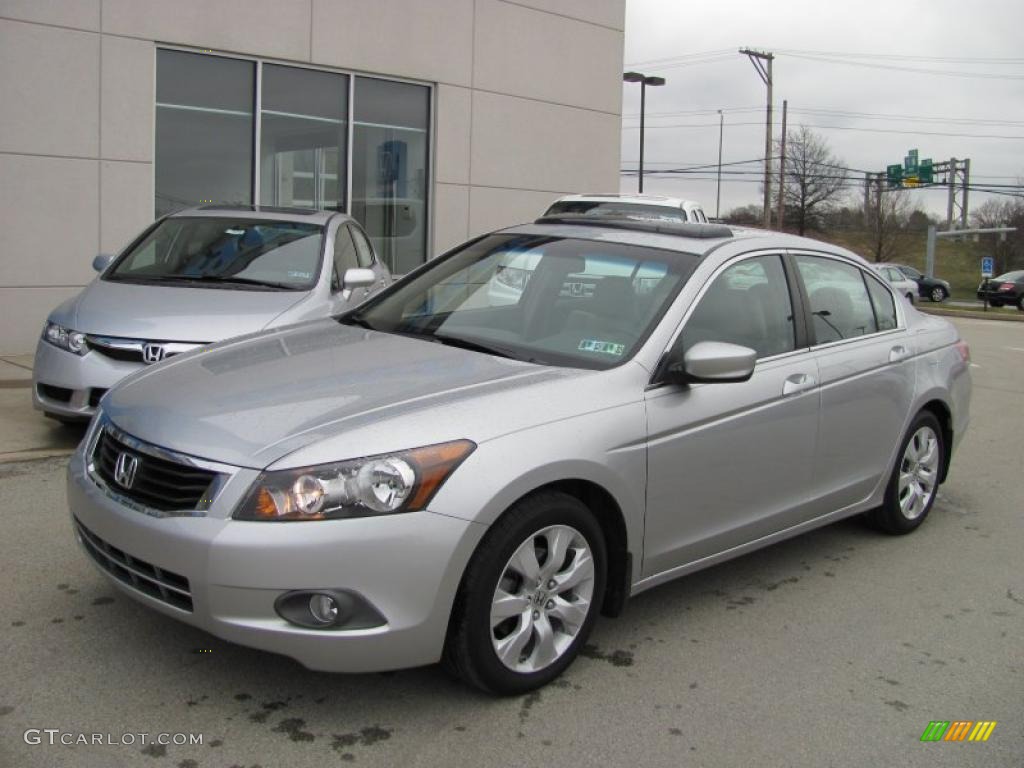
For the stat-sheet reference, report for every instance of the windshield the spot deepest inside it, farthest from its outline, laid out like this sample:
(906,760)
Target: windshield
(643,211)
(226,252)
(547,300)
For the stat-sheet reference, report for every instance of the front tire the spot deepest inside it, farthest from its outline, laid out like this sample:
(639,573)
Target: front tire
(914,481)
(937,294)
(529,597)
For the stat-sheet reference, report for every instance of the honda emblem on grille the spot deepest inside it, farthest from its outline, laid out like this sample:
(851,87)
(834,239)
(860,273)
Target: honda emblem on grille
(152,353)
(125,468)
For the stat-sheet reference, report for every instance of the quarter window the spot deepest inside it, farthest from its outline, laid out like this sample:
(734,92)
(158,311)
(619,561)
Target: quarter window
(881,300)
(840,305)
(748,304)
(364,252)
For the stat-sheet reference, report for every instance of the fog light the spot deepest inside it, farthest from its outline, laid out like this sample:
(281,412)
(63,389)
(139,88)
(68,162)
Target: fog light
(324,608)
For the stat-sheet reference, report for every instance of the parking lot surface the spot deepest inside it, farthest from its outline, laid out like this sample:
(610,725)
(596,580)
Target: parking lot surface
(836,648)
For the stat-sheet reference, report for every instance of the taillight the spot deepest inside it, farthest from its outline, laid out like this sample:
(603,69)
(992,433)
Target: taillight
(964,350)
(1006,286)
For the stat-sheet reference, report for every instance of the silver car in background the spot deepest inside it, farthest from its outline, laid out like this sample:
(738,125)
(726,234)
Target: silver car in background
(445,474)
(193,278)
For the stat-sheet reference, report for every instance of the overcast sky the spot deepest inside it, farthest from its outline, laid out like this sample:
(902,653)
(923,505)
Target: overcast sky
(660,31)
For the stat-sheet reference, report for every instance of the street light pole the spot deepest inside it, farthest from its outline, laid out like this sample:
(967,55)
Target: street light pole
(644,80)
(718,195)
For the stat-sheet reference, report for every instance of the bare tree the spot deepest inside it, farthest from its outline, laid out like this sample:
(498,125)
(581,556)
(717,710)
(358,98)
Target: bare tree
(815,179)
(888,219)
(1008,252)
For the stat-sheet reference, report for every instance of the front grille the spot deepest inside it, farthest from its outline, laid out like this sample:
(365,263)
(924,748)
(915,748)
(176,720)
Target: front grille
(158,583)
(118,353)
(158,483)
(60,394)
(95,394)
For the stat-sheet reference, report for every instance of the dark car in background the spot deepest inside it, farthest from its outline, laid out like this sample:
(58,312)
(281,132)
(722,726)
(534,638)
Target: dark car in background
(1005,289)
(927,287)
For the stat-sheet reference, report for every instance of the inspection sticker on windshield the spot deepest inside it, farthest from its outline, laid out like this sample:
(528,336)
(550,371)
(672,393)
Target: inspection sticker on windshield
(300,275)
(604,347)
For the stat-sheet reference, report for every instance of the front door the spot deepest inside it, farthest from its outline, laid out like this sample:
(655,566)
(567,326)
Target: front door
(729,463)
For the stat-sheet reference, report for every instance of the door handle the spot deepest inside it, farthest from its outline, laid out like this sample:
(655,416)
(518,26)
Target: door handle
(797,383)
(898,353)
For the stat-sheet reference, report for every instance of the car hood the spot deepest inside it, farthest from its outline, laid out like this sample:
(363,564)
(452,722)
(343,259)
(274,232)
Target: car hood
(175,313)
(252,401)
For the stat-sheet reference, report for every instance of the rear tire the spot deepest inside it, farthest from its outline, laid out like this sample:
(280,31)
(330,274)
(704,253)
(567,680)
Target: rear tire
(529,597)
(914,481)
(1020,303)
(910,298)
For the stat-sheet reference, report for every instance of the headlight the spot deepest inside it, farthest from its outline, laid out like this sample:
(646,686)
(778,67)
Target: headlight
(65,338)
(377,485)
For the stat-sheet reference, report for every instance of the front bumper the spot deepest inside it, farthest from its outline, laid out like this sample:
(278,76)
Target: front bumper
(406,566)
(70,385)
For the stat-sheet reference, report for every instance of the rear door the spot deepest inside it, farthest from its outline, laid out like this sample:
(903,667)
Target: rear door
(863,354)
(731,462)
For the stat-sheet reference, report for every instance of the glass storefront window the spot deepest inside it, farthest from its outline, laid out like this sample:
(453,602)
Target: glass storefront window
(303,132)
(209,151)
(204,126)
(389,169)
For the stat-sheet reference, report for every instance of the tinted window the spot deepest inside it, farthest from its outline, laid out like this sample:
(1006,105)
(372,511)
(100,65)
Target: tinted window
(839,299)
(881,300)
(748,304)
(303,130)
(208,250)
(912,273)
(204,128)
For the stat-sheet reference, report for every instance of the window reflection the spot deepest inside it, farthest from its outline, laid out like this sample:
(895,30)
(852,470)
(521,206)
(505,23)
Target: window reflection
(204,122)
(303,129)
(389,169)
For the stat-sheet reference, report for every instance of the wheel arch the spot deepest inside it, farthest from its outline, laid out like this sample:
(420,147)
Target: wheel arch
(942,412)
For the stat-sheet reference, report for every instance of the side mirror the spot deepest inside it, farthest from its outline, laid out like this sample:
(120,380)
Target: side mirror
(101,261)
(709,362)
(358,278)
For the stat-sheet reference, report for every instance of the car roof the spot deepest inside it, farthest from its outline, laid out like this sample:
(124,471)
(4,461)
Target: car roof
(622,197)
(262,212)
(689,237)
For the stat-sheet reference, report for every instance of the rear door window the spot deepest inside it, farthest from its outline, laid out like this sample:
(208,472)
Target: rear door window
(840,305)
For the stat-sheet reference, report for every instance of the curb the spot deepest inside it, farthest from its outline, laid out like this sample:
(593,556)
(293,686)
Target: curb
(34,453)
(1017,317)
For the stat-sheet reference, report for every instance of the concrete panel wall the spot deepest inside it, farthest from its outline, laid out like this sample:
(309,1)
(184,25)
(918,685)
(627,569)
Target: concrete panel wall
(77,89)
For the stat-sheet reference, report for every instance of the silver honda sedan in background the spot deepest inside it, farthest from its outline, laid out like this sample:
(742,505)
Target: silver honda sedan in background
(193,278)
(439,475)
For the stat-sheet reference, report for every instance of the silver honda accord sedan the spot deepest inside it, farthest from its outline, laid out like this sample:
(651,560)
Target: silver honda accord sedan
(193,278)
(453,472)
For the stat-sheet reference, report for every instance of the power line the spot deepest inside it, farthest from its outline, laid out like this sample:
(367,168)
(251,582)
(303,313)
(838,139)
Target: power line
(907,57)
(919,70)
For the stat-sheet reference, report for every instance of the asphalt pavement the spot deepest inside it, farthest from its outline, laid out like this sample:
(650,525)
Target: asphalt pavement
(836,648)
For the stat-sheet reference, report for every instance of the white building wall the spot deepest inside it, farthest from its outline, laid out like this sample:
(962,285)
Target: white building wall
(528,107)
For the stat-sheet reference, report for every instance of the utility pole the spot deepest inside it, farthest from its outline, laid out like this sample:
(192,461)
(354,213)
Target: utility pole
(952,193)
(781,216)
(718,195)
(762,62)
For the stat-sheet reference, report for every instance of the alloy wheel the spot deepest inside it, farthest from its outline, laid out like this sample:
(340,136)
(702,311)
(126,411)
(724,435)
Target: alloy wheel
(542,599)
(919,473)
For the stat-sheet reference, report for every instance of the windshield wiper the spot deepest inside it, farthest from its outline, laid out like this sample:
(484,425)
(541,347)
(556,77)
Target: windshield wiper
(234,279)
(357,319)
(475,346)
